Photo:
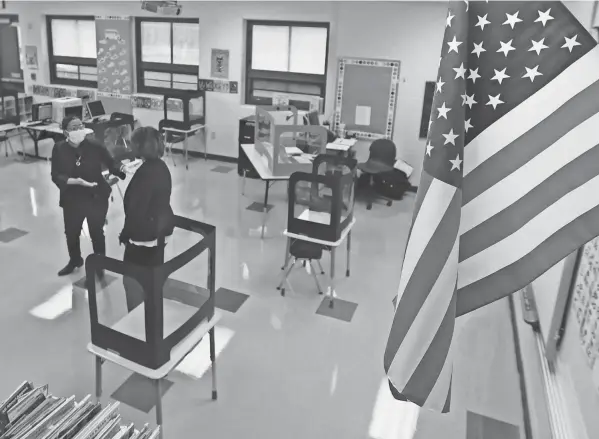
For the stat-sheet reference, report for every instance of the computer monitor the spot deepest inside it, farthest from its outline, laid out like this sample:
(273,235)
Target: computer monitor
(95,109)
(74,111)
(41,112)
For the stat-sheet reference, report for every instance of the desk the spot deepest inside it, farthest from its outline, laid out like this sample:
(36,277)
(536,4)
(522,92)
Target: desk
(41,132)
(186,133)
(331,246)
(260,164)
(178,353)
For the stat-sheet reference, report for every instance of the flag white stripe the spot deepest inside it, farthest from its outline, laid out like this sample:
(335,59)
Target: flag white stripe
(433,208)
(531,235)
(436,399)
(576,78)
(426,324)
(438,396)
(515,186)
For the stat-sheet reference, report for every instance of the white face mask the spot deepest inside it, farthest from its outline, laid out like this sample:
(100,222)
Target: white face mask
(76,137)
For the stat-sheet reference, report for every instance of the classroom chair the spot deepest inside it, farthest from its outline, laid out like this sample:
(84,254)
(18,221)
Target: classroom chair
(381,160)
(306,252)
(170,138)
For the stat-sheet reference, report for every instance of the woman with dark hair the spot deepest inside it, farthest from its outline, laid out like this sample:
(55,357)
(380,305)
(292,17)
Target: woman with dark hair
(149,218)
(77,165)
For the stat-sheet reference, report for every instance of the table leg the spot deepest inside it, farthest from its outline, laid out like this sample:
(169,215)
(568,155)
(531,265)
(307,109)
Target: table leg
(213,360)
(243,182)
(332,291)
(265,208)
(185,146)
(158,386)
(287,248)
(348,253)
(205,144)
(99,362)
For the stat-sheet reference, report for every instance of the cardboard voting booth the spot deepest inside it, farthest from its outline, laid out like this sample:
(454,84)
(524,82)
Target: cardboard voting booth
(190,106)
(142,313)
(287,146)
(321,203)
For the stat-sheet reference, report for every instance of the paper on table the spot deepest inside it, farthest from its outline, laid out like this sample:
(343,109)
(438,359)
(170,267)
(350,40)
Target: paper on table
(403,166)
(293,150)
(315,217)
(363,115)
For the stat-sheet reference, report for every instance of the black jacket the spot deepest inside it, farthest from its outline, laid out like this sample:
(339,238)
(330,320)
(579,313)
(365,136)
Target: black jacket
(93,158)
(147,202)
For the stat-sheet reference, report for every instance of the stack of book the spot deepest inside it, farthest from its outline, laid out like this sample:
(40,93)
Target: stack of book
(33,413)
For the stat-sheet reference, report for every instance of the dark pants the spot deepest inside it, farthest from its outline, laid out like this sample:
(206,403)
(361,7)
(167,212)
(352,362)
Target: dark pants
(75,212)
(146,257)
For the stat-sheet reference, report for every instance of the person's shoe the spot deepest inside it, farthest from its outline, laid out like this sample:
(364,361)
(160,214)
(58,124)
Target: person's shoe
(70,268)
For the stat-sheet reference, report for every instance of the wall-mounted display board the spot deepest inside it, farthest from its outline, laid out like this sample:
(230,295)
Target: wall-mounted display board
(11,72)
(114,40)
(585,301)
(427,106)
(366,97)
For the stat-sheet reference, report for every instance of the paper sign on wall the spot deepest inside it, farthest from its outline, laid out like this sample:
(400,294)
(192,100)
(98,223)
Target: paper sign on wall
(362,115)
(219,67)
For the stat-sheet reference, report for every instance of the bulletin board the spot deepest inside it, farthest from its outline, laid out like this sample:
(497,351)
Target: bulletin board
(114,41)
(585,301)
(366,97)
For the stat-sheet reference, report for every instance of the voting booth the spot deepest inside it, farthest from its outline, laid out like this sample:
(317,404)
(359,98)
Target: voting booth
(142,313)
(185,106)
(321,203)
(287,146)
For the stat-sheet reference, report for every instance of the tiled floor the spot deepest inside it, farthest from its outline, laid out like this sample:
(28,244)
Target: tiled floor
(284,369)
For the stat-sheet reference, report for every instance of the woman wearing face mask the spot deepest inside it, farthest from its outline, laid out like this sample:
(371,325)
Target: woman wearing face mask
(149,218)
(77,164)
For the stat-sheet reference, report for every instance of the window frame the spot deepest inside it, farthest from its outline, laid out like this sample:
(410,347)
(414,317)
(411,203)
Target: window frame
(171,68)
(72,60)
(287,77)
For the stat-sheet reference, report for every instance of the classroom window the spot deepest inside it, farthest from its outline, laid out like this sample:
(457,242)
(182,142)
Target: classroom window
(168,54)
(72,50)
(285,57)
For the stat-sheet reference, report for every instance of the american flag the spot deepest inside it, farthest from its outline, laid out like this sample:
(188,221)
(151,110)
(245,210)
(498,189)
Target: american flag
(510,181)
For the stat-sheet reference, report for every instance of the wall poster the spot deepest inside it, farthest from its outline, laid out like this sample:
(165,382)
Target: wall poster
(114,42)
(219,66)
(31,57)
